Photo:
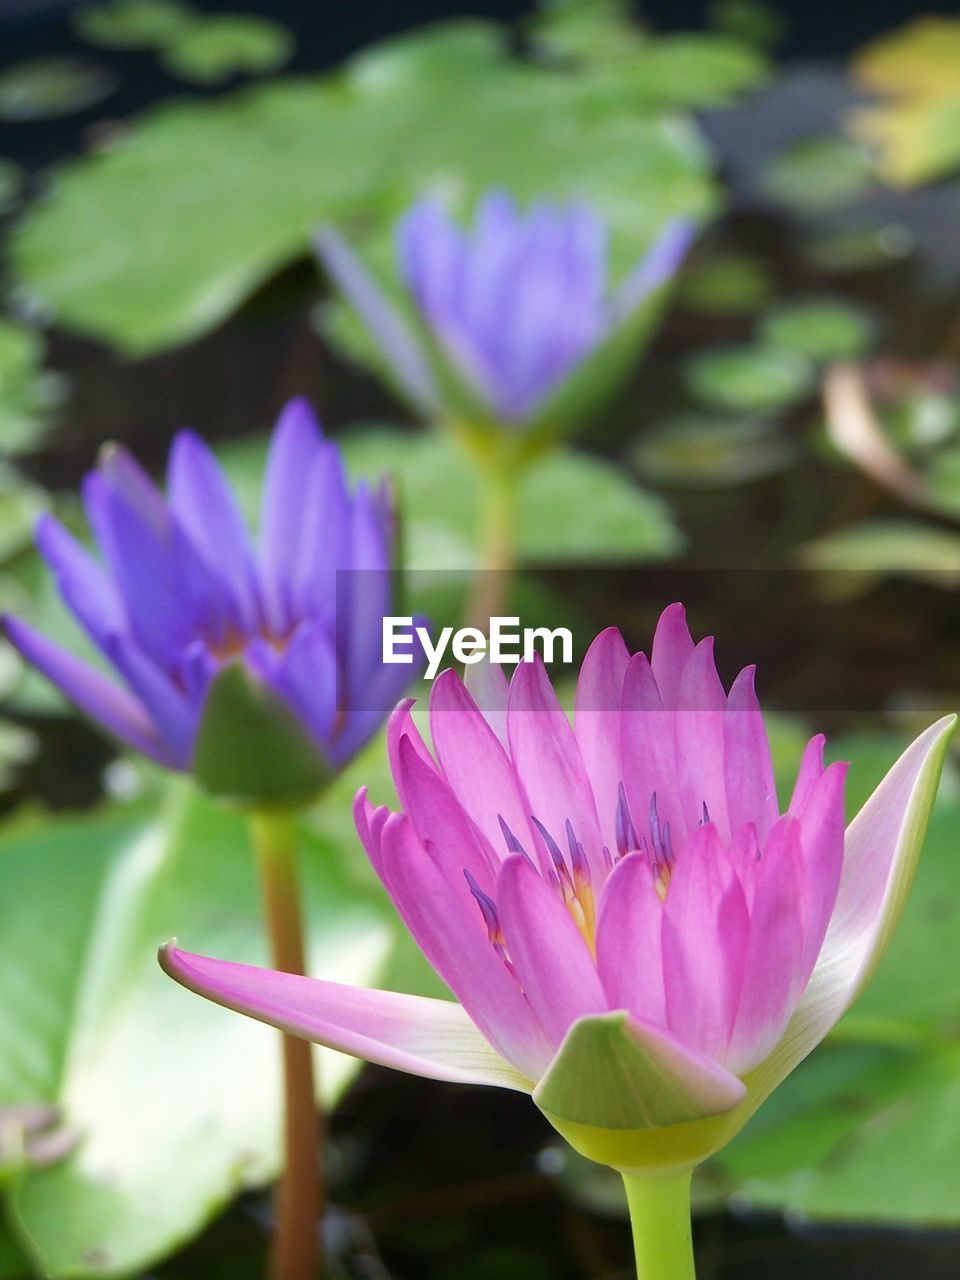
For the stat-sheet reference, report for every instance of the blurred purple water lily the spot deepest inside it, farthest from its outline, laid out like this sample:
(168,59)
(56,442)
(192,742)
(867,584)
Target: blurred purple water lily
(511,308)
(182,595)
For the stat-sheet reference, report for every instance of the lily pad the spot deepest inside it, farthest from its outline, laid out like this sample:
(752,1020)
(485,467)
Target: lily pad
(700,452)
(750,20)
(20,503)
(881,548)
(169,1128)
(216,48)
(917,67)
(614,59)
(28,394)
(436,487)
(47,87)
(11,182)
(816,174)
(726,284)
(821,329)
(133,24)
(750,379)
(122,249)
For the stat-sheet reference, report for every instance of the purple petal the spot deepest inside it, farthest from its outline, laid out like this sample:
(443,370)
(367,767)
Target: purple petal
(294,451)
(118,711)
(176,719)
(85,587)
(654,269)
(432,1038)
(388,328)
(205,507)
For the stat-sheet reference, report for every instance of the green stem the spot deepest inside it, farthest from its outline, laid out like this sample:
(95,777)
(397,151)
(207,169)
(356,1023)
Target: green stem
(496,540)
(299,1205)
(660,1217)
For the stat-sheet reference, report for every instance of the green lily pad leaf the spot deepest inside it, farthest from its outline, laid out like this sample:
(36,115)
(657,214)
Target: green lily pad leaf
(616,520)
(699,452)
(943,479)
(821,329)
(48,87)
(614,59)
(13,1265)
(122,250)
(749,379)
(881,548)
(28,394)
(749,20)
(20,504)
(863,246)
(818,174)
(726,284)
(133,24)
(173,1101)
(11,180)
(214,49)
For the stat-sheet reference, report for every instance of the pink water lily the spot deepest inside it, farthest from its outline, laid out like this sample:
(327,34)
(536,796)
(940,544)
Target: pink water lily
(633,930)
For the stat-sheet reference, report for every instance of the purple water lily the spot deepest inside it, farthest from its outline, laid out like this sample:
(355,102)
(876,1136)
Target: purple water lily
(182,593)
(512,308)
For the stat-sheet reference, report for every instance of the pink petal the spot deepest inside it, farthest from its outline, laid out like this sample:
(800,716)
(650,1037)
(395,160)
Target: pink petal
(438,817)
(672,647)
(432,1038)
(490,690)
(402,725)
(649,753)
(598,721)
(809,774)
(883,846)
(773,975)
(548,763)
(706,930)
(549,955)
(629,955)
(476,765)
(822,841)
(446,922)
(700,733)
(748,768)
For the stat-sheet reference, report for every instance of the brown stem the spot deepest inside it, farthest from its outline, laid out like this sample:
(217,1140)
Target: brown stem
(300,1193)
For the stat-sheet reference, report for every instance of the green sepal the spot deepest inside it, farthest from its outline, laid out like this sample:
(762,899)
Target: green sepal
(631,1097)
(252,749)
